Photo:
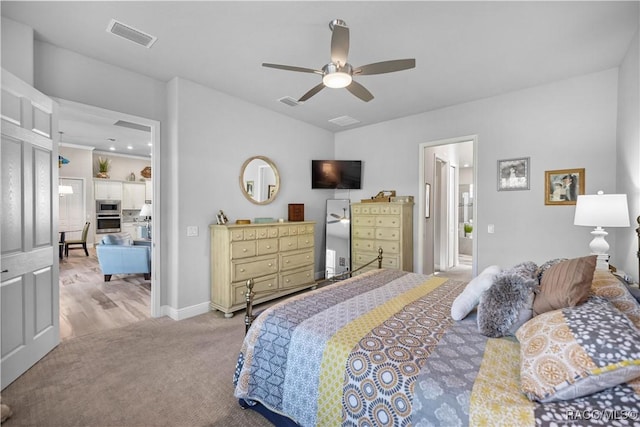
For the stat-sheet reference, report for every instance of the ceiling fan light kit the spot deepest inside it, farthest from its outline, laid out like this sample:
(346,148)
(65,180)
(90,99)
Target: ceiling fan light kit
(338,73)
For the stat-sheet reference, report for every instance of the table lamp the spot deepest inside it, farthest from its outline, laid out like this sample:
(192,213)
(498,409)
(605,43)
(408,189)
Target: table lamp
(601,210)
(146,213)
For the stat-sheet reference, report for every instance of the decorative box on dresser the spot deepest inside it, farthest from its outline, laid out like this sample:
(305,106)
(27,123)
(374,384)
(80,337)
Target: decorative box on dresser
(279,257)
(387,225)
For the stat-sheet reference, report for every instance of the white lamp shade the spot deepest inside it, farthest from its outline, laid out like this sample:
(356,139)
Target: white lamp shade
(602,210)
(146,210)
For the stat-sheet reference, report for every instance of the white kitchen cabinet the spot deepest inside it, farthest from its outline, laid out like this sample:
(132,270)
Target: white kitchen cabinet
(133,195)
(107,190)
(133,228)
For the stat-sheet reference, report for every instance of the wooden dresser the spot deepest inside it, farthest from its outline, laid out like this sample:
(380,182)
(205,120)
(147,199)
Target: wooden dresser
(278,256)
(386,225)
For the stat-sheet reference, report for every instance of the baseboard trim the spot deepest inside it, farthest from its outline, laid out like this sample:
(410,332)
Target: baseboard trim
(185,313)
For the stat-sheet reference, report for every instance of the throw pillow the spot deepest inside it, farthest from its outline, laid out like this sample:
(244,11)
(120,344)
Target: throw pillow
(470,296)
(606,285)
(565,284)
(576,351)
(507,304)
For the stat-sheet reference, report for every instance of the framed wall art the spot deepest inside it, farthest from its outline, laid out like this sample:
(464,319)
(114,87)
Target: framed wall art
(513,174)
(562,187)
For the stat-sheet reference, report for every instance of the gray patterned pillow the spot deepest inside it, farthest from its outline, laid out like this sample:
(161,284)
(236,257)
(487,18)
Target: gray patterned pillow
(576,351)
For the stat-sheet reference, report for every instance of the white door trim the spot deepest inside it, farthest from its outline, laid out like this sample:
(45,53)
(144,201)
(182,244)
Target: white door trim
(421,197)
(156,277)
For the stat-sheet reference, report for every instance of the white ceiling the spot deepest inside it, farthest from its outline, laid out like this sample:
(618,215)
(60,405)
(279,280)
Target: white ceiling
(464,50)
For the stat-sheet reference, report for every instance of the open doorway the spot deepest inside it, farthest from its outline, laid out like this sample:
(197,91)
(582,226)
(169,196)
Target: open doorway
(447,209)
(126,298)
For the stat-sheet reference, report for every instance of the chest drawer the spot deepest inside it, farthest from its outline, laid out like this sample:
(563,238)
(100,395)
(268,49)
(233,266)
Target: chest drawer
(263,286)
(388,246)
(252,269)
(305,241)
(265,233)
(387,233)
(364,233)
(363,245)
(267,246)
(243,249)
(289,243)
(364,221)
(291,261)
(388,221)
(298,278)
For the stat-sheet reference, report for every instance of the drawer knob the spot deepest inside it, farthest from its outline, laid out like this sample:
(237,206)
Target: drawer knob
(268,246)
(307,256)
(287,280)
(244,250)
(286,262)
(270,264)
(242,270)
(290,244)
(270,284)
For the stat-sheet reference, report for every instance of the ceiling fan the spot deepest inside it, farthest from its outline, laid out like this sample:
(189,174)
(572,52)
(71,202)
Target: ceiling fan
(339,218)
(339,73)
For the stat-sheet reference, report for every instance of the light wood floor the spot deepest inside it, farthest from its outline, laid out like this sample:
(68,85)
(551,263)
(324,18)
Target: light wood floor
(88,304)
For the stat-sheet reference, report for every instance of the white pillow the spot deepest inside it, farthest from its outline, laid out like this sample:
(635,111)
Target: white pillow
(470,297)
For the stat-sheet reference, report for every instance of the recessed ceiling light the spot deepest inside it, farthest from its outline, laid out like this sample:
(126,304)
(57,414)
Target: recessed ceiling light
(112,148)
(466,165)
(150,144)
(129,147)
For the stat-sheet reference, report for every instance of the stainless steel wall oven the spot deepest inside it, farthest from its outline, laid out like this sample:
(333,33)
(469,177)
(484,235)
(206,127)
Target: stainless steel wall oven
(108,223)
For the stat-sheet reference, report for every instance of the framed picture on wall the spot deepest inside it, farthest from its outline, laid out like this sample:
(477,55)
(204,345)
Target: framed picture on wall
(562,187)
(427,200)
(513,174)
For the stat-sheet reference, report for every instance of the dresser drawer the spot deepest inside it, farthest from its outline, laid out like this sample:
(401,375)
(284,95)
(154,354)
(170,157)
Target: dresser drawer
(262,286)
(364,245)
(305,241)
(237,235)
(289,243)
(263,233)
(299,259)
(249,233)
(388,221)
(267,246)
(390,262)
(388,246)
(387,233)
(297,278)
(364,233)
(253,269)
(364,221)
(391,209)
(243,249)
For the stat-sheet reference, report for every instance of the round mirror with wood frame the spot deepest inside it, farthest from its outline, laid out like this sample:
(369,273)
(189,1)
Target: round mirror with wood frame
(259,180)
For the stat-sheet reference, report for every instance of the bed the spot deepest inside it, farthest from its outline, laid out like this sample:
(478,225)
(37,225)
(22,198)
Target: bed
(382,349)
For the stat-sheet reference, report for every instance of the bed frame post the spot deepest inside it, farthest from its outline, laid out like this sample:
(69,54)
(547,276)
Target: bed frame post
(380,257)
(248,317)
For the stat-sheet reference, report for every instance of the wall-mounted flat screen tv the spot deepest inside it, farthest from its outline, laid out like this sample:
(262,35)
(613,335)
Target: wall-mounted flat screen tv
(342,174)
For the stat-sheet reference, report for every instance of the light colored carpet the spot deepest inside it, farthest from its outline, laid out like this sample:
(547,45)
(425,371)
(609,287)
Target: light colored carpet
(157,372)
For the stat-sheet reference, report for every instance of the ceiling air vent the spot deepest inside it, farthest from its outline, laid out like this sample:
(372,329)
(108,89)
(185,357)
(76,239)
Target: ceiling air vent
(291,102)
(132,125)
(344,121)
(127,32)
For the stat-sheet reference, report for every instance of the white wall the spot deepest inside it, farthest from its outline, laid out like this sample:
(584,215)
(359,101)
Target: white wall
(628,158)
(211,135)
(567,124)
(17,49)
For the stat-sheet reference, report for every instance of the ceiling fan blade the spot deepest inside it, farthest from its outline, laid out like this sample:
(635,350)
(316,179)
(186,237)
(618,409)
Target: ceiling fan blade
(291,68)
(339,44)
(360,91)
(335,215)
(333,222)
(311,92)
(385,67)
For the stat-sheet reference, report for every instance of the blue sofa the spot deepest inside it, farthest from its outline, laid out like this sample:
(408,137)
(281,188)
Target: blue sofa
(118,254)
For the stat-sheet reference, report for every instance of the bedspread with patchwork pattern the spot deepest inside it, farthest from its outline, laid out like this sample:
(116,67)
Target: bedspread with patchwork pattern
(381,349)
